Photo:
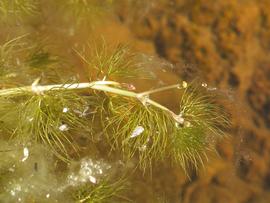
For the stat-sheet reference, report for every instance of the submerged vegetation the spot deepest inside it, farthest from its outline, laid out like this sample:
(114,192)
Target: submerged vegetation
(103,192)
(53,115)
(18,9)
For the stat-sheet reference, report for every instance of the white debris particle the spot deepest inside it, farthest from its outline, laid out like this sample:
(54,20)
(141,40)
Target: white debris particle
(184,84)
(15,189)
(63,127)
(25,154)
(12,192)
(48,195)
(90,171)
(65,110)
(93,179)
(204,84)
(137,131)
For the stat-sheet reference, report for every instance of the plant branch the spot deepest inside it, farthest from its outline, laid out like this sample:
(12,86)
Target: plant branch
(96,85)
(161,89)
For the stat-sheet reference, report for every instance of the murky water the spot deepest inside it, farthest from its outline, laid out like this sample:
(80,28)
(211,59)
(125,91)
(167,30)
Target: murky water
(58,31)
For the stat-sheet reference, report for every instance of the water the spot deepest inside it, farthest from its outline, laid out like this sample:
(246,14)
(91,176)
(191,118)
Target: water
(31,173)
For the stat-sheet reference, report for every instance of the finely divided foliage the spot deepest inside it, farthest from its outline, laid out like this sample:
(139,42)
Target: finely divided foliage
(134,126)
(105,191)
(109,62)
(205,122)
(17,9)
(136,129)
(151,134)
(22,61)
(45,106)
(49,118)
(130,124)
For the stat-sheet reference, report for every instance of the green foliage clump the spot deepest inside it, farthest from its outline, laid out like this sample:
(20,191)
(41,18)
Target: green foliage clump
(48,118)
(111,62)
(135,129)
(205,122)
(8,60)
(22,61)
(83,12)
(131,124)
(103,192)
(88,7)
(17,9)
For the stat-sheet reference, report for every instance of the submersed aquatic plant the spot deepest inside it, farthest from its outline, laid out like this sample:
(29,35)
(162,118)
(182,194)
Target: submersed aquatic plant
(17,10)
(131,123)
(86,102)
(135,125)
(103,192)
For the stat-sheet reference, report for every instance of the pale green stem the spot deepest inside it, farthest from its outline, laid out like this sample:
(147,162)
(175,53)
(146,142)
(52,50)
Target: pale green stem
(161,89)
(96,85)
(44,88)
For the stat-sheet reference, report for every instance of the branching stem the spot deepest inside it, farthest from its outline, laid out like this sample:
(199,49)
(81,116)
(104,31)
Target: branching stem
(161,89)
(105,86)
